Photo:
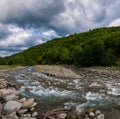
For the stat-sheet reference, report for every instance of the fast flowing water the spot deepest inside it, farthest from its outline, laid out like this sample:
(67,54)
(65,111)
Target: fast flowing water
(94,90)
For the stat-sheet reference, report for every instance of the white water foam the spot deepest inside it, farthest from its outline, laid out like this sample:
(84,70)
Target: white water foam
(90,96)
(40,91)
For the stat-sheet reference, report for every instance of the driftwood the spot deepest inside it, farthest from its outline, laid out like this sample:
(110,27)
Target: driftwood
(54,112)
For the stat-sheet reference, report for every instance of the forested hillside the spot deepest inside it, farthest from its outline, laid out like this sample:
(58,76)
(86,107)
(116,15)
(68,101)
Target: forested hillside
(98,47)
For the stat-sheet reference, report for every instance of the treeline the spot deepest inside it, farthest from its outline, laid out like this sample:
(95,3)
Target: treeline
(98,47)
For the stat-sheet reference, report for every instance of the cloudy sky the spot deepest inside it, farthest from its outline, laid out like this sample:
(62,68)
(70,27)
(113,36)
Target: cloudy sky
(25,23)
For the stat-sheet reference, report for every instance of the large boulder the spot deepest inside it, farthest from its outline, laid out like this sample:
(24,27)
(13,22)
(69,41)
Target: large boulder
(11,106)
(28,103)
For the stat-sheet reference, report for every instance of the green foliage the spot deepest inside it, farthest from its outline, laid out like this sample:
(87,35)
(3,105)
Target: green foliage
(98,47)
(108,58)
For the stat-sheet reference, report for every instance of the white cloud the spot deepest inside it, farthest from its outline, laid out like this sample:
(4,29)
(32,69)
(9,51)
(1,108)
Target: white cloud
(24,23)
(17,36)
(21,39)
(80,15)
(115,23)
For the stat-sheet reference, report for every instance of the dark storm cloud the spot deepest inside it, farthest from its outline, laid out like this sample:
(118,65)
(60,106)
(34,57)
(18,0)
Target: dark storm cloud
(30,12)
(4,33)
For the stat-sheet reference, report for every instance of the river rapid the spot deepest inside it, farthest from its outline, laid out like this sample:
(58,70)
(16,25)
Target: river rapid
(96,89)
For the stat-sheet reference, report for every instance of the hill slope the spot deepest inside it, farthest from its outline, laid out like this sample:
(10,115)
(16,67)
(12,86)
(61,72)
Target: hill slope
(96,47)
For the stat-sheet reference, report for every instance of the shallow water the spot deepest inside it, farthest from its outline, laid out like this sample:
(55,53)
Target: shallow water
(94,90)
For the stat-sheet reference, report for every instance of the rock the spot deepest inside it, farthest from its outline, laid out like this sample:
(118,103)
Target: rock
(73,108)
(9,91)
(28,118)
(1,106)
(4,91)
(97,112)
(71,116)
(22,111)
(3,83)
(34,105)
(15,117)
(86,118)
(51,117)
(10,84)
(91,114)
(34,114)
(32,109)
(86,111)
(62,116)
(27,90)
(27,115)
(14,92)
(101,116)
(12,106)
(28,103)
(10,97)
(22,100)
(11,115)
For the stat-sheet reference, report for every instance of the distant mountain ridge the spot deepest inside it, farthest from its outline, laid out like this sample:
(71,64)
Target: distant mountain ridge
(98,47)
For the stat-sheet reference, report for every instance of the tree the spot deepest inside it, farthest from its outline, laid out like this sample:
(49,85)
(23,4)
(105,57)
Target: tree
(109,58)
(98,51)
(65,56)
(87,57)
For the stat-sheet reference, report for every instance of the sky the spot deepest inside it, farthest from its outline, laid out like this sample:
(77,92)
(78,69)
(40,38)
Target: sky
(26,23)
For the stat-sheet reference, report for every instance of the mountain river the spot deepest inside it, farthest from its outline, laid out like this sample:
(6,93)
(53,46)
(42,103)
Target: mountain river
(93,90)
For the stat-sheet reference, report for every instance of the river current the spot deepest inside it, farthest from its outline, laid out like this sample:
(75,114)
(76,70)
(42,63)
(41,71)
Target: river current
(97,91)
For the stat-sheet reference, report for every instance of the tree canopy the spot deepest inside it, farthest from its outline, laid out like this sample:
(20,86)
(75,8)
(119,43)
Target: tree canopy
(97,47)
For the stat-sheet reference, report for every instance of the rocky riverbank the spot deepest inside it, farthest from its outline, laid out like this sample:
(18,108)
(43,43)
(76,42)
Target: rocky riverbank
(12,106)
(57,81)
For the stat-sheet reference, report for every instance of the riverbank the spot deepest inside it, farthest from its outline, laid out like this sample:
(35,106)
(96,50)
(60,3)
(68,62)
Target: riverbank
(75,72)
(55,86)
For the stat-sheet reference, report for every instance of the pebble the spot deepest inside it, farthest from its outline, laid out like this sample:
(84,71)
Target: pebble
(22,100)
(101,116)
(97,112)
(34,114)
(62,116)
(91,114)
(28,103)
(22,111)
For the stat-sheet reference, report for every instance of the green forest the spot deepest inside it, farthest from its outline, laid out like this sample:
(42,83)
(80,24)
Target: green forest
(97,47)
